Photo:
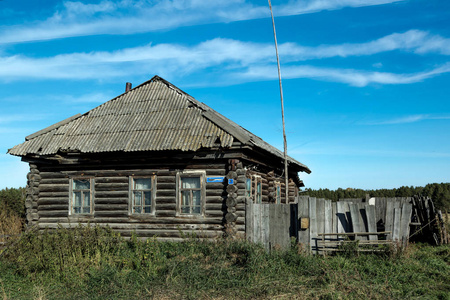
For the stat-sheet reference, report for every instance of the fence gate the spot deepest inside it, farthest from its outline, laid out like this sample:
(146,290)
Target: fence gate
(269,224)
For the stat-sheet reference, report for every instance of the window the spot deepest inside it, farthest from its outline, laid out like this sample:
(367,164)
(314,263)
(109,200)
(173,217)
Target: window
(277,192)
(81,202)
(257,186)
(248,187)
(142,195)
(191,193)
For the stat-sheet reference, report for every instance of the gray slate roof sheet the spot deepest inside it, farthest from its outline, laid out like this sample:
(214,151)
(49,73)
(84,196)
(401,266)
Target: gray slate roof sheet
(153,116)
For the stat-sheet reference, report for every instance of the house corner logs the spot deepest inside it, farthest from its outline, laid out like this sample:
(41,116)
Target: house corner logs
(235,168)
(32,195)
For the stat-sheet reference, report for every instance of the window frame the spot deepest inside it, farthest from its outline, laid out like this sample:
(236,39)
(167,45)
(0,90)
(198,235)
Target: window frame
(179,189)
(72,198)
(248,187)
(131,191)
(277,190)
(257,179)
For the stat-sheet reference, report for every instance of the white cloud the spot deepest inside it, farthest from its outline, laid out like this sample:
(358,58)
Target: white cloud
(416,41)
(302,7)
(134,16)
(409,119)
(160,59)
(246,60)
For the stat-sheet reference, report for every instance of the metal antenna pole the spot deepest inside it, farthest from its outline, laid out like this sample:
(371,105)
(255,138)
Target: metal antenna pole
(286,186)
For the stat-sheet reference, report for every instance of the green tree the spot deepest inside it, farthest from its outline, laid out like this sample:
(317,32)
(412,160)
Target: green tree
(13,200)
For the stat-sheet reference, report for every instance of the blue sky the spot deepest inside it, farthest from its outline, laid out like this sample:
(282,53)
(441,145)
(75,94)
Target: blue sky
(366,82)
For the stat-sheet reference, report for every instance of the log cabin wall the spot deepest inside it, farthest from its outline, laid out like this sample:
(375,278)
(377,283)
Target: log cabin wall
(111,198)
(32,196)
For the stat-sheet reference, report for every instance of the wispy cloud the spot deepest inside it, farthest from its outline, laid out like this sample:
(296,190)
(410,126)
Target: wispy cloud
(409,119)
(416,41)
(350,76)
(133,16)
(247,60)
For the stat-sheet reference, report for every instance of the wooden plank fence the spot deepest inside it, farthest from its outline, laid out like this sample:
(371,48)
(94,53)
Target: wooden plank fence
(333,222)
(322,224)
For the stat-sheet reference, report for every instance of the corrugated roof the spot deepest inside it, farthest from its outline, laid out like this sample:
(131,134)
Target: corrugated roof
(153,116)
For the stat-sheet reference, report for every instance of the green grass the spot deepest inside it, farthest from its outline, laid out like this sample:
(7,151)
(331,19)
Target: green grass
(96,263)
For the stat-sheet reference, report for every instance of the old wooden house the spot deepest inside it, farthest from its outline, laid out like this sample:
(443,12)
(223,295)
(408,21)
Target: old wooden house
(153,160)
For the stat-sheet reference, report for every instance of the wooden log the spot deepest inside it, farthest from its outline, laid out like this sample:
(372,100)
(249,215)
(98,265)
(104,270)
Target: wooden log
(166,193)
(216,185)
(165,179)
(165,213)
(53,200)
(111,207)
(165,206)
(111,194)
(213,193)
(214,213)
(53,213)
(111,186)
(54,207)
(231,175)
(114,179)
(232,188)
(231,202)
(34,216)
(28,204)
(213,206)
(133,219)
(57,181)
(165,186)
(166,199)
(52,175)
(216,172)
(110,201)
(215,200)
(230,217)
(53,194)
(111,214)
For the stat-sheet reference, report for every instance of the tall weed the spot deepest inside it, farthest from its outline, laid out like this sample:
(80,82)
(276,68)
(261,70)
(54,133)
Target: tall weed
(96,263)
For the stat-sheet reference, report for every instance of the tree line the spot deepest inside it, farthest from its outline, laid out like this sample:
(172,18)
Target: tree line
(12,201)
(438,192)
